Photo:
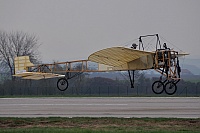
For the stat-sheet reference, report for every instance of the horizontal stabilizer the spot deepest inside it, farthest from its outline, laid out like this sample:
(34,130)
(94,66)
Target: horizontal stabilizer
(21,70)
(37,75)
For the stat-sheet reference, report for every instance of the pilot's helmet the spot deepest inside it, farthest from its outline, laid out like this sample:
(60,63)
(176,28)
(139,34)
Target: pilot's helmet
(134,46)
(165,45)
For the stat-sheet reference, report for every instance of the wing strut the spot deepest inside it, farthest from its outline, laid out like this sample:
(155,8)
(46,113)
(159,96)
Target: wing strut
(131,77)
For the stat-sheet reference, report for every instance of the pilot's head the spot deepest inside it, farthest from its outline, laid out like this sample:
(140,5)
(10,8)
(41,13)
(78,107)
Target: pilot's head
(165,46)
(134,46)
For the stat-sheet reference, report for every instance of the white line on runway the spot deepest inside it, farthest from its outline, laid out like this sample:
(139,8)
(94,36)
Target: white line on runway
(63,104)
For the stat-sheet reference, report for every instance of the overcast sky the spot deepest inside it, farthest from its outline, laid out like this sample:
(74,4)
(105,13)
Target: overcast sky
(74,29)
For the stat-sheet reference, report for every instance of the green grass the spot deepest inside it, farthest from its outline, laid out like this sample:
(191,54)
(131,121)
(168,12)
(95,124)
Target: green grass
(75,130)
(99,125)
(46,130)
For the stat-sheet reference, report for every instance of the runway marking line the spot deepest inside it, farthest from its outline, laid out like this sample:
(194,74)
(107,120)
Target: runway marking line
(63,104)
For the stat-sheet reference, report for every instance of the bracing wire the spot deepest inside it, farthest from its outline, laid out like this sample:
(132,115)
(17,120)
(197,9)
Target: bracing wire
(147,47)
(129,42)
(182,65)
(148,43)
(170,43)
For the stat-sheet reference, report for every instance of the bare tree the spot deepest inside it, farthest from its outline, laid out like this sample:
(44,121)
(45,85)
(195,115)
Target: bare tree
(17,44)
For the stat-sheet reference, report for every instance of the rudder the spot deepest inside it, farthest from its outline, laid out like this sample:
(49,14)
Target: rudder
(21,64)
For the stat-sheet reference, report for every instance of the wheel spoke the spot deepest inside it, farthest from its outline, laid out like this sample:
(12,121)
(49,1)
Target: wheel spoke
(170,88)
(62,84)
(158,87)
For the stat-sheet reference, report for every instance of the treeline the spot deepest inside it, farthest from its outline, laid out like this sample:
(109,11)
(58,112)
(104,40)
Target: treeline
(96,86)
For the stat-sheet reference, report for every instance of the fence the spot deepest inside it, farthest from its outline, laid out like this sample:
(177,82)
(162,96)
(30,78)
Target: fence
(49,88)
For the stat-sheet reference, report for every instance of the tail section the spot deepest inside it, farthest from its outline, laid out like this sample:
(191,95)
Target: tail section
(22,63)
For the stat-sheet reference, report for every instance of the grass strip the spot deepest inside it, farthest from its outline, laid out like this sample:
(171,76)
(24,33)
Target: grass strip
(99,125)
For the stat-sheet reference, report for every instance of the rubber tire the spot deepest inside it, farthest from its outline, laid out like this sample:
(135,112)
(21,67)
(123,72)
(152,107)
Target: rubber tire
(155,86)
(62,82)
(168,86)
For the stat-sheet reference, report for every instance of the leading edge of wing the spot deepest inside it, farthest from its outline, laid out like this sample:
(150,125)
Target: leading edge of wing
(116,56)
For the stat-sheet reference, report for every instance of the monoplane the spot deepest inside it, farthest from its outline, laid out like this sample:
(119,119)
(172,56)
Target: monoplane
(163,60)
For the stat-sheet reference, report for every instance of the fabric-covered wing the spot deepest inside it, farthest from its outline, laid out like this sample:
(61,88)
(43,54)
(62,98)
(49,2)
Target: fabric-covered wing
(121,57)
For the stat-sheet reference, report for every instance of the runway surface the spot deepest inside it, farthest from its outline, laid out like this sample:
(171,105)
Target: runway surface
(184,107)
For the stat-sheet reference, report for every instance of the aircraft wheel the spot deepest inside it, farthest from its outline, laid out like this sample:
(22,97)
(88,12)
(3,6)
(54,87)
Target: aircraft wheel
(158,87)
(170,88)
(62,84)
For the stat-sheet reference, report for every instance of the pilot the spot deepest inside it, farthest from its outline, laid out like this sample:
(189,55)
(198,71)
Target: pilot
(165,45)
(167,55)
(134,46)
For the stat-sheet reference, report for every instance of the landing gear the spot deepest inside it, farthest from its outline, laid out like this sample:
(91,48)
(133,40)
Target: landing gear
(158,87)
(62,84)
(169,87)
(131,77)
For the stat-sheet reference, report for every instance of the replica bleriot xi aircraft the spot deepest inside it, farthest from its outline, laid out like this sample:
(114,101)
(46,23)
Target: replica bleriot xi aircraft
(163,60)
